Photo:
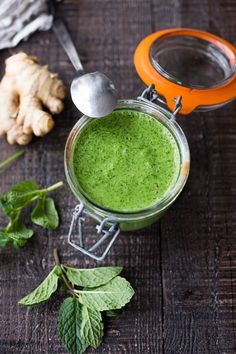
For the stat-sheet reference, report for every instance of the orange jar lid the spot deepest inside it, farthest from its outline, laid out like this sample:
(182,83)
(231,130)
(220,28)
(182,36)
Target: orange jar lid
(197,65)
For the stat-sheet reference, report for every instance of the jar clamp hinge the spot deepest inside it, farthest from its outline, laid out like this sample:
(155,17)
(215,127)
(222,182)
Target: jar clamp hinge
(151,95)
(107,228)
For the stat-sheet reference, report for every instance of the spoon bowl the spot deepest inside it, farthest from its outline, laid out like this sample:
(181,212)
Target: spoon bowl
(94,94)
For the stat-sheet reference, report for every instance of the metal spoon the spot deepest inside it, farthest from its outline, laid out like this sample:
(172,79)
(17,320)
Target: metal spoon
(93,94)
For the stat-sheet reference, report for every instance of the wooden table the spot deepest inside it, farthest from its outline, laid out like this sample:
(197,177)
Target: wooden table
(184,267)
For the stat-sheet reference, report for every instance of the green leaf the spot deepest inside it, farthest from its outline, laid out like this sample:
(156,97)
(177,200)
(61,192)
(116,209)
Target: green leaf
(91,327)
(44,291)
(3,239)
(113,295)
(18,232)
(25,187)
(6,207)
(45,214)
(19,243)
(69,326)
(91,278)
(19,196)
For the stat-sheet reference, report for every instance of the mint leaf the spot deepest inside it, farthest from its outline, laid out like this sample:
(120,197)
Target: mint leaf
(7,207)
(113,295)
(24,187)
(18,232)
(3,239)
(69,326)
(19,243)
(91,327)
(45,214)
(91,278)
(19,196)
(44,291)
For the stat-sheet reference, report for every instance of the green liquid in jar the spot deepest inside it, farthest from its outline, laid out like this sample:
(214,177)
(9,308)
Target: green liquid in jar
(126,161)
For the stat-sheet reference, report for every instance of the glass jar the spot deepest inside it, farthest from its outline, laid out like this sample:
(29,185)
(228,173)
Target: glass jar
(192,70)
(124,221)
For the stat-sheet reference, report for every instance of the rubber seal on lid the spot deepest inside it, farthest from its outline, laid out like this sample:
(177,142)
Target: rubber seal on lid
(196,65)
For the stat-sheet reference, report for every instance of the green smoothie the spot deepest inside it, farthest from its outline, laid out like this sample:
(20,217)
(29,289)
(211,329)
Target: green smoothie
(126,161)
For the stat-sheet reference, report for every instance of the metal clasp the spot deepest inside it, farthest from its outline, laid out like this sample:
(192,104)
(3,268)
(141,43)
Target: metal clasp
(107,228)
(151,95)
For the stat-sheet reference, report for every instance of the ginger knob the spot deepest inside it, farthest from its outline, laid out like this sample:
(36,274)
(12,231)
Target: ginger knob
(25,88)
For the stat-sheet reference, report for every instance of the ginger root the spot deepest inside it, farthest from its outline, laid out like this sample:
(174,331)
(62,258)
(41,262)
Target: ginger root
(25,88)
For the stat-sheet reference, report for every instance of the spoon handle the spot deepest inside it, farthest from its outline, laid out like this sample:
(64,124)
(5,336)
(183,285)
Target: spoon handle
(66,42)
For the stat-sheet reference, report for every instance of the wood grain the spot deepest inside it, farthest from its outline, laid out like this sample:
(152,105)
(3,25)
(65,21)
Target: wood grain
(184,267)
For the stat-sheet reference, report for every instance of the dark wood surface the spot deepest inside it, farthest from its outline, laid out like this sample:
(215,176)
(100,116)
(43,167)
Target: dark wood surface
(183,268)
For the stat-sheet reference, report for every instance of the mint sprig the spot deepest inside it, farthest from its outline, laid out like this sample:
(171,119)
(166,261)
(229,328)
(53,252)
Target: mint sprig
(13,202)
(80,320)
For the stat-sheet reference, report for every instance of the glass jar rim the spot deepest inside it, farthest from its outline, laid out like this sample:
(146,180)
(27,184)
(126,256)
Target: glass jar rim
(174,43)
(163,116)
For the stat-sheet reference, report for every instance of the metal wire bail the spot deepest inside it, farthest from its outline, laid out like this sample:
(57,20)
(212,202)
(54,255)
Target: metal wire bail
(107,228)
(151,95)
